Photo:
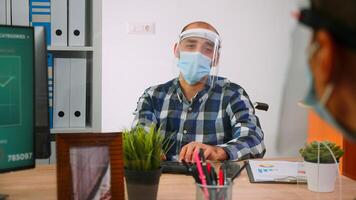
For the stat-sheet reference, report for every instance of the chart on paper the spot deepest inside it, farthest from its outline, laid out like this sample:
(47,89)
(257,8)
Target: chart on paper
(277,171)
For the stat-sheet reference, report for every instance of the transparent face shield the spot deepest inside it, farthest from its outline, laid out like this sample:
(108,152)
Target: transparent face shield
(198,55)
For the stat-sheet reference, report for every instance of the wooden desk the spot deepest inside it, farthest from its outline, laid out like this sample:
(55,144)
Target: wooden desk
(40,183)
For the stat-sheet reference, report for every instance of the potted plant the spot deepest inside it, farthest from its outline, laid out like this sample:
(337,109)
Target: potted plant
(321,166)
(143,151)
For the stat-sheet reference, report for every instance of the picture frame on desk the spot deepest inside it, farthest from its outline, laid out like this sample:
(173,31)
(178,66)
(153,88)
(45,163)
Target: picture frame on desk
(90,166)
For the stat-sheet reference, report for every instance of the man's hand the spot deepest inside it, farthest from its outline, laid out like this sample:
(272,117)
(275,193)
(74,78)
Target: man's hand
(163,157)
(210,152)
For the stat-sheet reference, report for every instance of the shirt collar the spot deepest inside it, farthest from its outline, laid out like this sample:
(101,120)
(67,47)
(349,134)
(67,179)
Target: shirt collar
(203,94)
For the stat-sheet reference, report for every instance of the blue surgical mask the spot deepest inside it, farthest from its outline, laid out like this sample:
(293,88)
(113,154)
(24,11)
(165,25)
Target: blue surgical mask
(319,106)
(194,66)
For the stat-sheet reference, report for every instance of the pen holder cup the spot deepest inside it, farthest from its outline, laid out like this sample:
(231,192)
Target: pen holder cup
(214,192)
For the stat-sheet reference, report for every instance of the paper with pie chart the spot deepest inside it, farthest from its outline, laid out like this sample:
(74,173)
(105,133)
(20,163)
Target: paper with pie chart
(10,91)
(277,171)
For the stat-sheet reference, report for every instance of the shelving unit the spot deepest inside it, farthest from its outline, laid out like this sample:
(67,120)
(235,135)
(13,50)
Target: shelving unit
(72,130)
(69,49)
(92,53)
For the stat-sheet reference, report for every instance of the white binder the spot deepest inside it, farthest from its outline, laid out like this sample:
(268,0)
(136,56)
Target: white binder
(76,26)
(61,89)
(78,92)
(59,23)
(2,11)
(8,12)
(20,12)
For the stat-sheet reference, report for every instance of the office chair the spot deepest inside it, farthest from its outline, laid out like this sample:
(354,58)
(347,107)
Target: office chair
(261,106)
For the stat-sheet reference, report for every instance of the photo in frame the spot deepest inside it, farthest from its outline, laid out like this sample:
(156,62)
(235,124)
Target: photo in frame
(90,166)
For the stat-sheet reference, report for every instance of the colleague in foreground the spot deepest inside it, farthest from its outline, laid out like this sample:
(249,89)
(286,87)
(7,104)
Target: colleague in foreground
(332,58)
(199,109)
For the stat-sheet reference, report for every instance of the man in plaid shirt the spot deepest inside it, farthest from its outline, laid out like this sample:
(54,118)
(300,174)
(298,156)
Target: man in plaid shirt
(198,109)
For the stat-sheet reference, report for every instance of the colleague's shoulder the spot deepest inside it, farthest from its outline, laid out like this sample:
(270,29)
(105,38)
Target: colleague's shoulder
(161,88)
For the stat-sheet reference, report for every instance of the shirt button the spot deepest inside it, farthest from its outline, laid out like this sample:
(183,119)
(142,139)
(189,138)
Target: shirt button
(189,109)
(184,131)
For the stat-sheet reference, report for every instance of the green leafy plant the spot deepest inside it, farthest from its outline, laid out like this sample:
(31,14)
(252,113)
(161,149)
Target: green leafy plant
(143,149)
(310,152)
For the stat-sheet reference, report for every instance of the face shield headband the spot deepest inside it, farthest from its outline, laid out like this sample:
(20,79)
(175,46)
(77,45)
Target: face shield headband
(201,33)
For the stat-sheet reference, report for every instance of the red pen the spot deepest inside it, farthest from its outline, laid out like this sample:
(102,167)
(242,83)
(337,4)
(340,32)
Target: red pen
(221,177)
(201,173)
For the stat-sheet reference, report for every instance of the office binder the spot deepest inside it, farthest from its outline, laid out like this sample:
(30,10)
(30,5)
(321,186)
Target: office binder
(77,92)
(8,12)
(20,12)
(50,88)
(59,22)
(40,15)
(76,23)
(61,92)
(2,11)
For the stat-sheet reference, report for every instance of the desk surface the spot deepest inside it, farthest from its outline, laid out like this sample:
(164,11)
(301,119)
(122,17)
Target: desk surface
(40,183)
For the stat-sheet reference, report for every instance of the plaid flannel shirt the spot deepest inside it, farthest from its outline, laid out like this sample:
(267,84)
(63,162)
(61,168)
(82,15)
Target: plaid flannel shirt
(221,115)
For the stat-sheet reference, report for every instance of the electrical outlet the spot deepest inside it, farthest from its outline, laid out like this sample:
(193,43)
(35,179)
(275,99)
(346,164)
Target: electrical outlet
(141,28)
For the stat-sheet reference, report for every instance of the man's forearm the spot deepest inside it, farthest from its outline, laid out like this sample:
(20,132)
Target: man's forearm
(243,148)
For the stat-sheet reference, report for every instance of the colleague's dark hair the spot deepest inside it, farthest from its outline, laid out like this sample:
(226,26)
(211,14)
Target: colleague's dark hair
(343,13)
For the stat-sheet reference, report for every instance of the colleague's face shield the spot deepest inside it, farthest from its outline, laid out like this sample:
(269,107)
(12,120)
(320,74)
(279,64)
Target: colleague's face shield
(198,55)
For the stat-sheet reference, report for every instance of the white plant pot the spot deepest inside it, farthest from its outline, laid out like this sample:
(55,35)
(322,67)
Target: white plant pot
(321,178)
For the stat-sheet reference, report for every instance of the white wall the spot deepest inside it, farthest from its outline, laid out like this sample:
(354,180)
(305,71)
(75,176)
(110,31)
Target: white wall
(255,54)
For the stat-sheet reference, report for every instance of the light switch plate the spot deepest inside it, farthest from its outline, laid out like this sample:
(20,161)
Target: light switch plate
(141,28)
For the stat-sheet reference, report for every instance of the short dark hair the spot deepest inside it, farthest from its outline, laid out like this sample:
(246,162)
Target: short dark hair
(344,13)
(201,23)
